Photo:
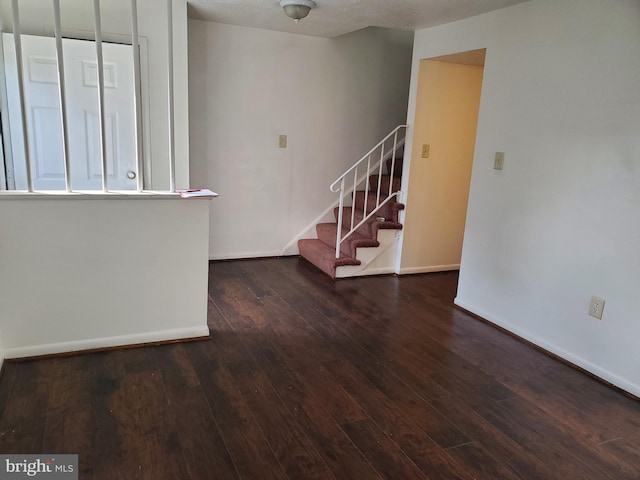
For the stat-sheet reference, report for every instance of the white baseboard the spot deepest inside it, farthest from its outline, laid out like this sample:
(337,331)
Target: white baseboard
(550,347)
(343,272)
(106,342)
(239,256)
(431,269)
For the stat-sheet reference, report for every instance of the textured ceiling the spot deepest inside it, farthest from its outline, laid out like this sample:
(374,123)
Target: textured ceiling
(332,18)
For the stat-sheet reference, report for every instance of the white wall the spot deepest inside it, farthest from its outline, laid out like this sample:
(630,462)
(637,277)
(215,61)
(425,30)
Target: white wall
(80,273)
(560,223)
(335,99)
(36,18)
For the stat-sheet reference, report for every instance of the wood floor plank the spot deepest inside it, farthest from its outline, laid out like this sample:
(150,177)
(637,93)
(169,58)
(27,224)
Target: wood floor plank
(387,459)
(290,445)
(505,441)
(68,415)
(23,424)
(8,376)
(193,422)
(423,451)
(336,449)
(623,456)
(245,441)
(544,437)
(196,432)
(147,439)
(485,466)
(102,456)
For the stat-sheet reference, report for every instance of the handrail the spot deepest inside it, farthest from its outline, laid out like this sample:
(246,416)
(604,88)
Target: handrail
(338,186)
(332,187)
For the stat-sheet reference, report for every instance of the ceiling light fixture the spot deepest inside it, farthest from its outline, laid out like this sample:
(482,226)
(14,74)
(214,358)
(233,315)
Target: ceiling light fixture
(297,9)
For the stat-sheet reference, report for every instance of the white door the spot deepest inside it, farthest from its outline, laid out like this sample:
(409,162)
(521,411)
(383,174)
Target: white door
(43,114)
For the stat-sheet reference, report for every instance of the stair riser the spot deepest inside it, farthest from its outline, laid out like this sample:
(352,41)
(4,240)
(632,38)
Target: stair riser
(397,167)
(384,185)
(388,210)
(364,230)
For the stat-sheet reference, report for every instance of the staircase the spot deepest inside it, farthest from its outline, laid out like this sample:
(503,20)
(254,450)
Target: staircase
(376,198)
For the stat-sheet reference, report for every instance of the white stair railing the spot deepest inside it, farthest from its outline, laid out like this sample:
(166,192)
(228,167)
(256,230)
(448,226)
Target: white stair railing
(63,93)
(347,184)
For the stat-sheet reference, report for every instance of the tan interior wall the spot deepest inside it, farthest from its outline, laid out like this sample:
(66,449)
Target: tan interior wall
(448,100)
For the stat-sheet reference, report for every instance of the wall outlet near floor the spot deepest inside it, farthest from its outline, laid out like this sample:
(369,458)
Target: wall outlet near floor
(498,162)
(596,307)
(282,141)
(425,150)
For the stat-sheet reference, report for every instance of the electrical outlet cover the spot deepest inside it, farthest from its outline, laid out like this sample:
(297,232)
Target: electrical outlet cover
(596,307)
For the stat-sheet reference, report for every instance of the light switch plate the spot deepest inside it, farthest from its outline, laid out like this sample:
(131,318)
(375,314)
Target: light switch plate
(425,150)
(498,162)
(282,141)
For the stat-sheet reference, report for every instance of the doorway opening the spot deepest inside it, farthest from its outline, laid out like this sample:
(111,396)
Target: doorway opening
(442,149)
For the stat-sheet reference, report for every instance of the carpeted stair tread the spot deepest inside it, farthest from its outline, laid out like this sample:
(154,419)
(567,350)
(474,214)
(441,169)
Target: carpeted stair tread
(389,210)
(384,184)
(370,227)
(397,166)
(323,256)
(327,233)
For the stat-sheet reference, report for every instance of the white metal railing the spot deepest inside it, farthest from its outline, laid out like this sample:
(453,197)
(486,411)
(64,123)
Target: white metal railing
(137,94)
(100,68)
(57,24)
(23,103)
(349,189)
(28,154)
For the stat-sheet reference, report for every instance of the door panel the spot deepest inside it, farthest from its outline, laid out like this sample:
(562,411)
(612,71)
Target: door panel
(47,139)
(92,141)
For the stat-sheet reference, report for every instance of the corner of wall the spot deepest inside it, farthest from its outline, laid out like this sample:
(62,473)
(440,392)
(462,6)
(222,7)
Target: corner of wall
(1,353)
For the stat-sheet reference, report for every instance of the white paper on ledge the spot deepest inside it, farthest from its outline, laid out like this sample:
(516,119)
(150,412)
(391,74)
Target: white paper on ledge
(196,192)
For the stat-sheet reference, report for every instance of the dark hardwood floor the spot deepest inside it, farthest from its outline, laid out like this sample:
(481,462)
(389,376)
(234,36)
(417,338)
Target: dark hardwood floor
(306,378)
